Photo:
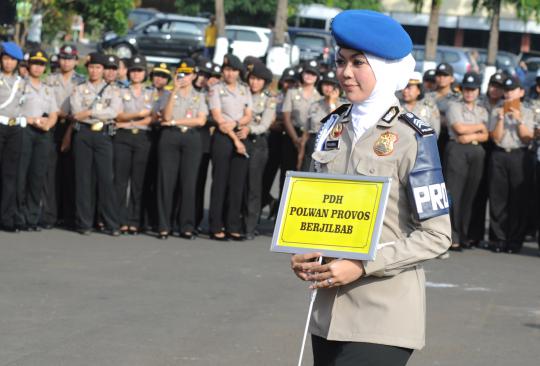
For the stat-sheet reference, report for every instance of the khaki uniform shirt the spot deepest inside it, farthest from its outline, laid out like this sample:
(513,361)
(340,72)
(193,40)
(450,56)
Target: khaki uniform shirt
(231,103)
(298,106)
(443,103)
(387,306)
(132,103)
(459,113)
(534,105)
(318,111)
(483,100)
(37,101)
(427,110)
(62,90)
(264,113)
(12,110)
(510,138)
(104,109)
(189,106)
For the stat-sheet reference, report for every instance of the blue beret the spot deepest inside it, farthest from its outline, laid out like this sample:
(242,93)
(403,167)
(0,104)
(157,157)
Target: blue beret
(11,49)
(371,32)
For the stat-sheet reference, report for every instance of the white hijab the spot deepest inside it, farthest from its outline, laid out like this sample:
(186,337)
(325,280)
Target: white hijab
(390,76)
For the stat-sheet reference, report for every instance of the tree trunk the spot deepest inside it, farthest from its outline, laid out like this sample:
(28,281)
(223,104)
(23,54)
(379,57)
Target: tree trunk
(493,44)
(281,23)
(432,35)
(220,18)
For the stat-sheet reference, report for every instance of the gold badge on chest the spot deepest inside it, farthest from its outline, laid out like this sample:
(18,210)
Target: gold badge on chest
(385,143)
(336,131)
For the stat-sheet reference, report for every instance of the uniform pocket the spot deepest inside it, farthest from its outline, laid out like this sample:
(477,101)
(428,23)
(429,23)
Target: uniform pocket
(324,157)
(377,168)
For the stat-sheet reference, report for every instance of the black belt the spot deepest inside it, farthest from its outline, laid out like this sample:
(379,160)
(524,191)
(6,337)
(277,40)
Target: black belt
(255,136)
(509,150)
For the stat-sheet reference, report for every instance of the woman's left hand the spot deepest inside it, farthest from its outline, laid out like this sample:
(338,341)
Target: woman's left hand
(338,272)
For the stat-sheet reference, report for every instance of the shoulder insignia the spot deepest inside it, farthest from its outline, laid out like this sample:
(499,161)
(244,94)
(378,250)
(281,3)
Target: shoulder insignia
(390,114)
(421,127)
(343,109)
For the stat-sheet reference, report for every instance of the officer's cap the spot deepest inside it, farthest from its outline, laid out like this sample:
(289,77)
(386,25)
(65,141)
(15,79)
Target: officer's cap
(415,78)
(260,71)
(311,66)
(216,70)
(230,60)
(497,78)
(186,66)
(97,58)
(371,32)
(54,59)
(429,75)
(289,74)
(329,77)
(204,65)
(137,62)
(68,51)
(511,83)
(112,62)
(250,61)
(37,56)
(444,69)
(12,50)
(471,80)
(161,70)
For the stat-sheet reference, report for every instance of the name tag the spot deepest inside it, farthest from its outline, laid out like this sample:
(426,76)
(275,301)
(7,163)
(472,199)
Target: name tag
(331,145)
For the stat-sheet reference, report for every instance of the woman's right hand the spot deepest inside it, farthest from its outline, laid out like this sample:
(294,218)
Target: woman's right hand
(240,148)
(301,263)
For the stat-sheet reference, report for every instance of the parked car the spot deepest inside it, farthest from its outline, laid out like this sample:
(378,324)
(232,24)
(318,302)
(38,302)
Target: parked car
(458,57)
(248,41)
(505,61)
(164,38)
(317,45)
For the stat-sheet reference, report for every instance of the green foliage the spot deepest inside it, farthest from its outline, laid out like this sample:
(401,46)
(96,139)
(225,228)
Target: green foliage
(100,15)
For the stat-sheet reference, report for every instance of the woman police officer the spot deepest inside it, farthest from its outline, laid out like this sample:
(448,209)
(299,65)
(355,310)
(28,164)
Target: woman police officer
(180,151)
(373,312)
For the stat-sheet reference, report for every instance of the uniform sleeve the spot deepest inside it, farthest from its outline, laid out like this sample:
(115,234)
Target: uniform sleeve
(267,118)
(453,115)
(75,101)
(53,107)
(492,122)
(528,118)
(249,99)
(214,101)
(312,116)
(428,239)
(110,111)
(287,102)
(203,107)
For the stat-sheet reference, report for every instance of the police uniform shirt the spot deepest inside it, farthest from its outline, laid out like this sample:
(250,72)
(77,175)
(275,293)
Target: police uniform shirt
(444,101)
(510,138)
(190,105)
(37,100)
(298,106)
(133,104)
(483,100)
(264,113)
(534,105)
(62,90)
(459,113)
(7,83)
(319,110)
(104,109)
(231,103)
(159,102)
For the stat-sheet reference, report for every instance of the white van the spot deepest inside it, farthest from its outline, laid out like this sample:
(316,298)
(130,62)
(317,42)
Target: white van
(315,16)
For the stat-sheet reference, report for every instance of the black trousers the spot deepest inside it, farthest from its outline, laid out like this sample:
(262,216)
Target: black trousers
(477,226)
(131,152)
(229,171)
(59,188)
(310,147)
(257,147)
(93,152)
(179,155)
(150,182)
(200,189)
(36,148)
(464,164)
(10,153)
(335,353)
(289,157)
(274,163)
(509,193)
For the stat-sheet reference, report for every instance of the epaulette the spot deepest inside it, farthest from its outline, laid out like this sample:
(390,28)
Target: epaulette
(78,77)
(342,109)
(81,82)
(421,127)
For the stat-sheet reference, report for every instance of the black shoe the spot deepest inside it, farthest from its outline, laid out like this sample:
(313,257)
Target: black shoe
(238,237)
(133,231)
(164,235)
(11,229)
(114,233)
(467,244)
(498,246)
(250,236)
(85,232)
(455,247)
(47,226)
(218,238)
(273,207)
(34,228)
(188,236)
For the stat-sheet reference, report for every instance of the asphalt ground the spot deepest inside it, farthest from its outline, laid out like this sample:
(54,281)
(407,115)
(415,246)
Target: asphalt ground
(67,299)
